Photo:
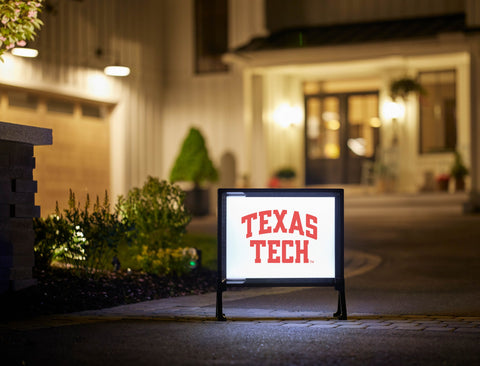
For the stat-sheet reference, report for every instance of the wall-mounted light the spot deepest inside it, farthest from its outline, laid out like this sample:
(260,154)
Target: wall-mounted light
(113,68)
(393,110)
(286,115)
(24,52)
(375,122)
(116,70)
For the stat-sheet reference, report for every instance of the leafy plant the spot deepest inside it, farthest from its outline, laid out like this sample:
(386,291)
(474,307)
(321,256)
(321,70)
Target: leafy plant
(158,214)
(51,233)
(104,229)
(86,241)
(404,86)
(167,261)
(19,21)
(285,173)
(193,163)
(458,169)
(152,218)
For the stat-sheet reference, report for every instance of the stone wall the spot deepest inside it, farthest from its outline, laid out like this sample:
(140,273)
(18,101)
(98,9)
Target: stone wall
(17,203)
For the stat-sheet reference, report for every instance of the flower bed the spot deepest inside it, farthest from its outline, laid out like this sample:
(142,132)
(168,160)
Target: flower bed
(60,291)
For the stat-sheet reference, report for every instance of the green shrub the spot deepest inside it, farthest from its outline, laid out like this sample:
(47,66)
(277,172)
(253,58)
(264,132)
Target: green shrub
(193,163)
(158,214)
(103,230)
(150,221)
(86,241)
(285,173)
(458,169)
(50,234)
(166,261)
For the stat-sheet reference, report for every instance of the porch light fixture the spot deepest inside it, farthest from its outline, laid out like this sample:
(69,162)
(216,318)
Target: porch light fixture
(375,122)
(25,52)
(286,115)
(393,110)
(116,70)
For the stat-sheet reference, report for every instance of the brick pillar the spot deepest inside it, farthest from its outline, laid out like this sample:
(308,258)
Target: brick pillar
(17,203)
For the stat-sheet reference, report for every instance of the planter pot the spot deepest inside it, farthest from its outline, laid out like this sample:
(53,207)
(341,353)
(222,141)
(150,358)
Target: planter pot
(442,185)
(287,183)
(459,184)
(197,201)
(385,185)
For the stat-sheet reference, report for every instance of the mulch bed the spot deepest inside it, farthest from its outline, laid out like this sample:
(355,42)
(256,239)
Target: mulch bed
(59,291)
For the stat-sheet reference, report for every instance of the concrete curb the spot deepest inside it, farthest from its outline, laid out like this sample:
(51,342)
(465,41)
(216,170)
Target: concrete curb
(444,324)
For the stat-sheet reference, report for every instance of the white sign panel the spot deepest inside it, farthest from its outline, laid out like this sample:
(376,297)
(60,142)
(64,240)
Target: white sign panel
(280,237)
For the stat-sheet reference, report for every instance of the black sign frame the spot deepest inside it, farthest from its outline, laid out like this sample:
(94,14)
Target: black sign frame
(338,282)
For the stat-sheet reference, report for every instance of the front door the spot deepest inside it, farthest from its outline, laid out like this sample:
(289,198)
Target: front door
(341,134)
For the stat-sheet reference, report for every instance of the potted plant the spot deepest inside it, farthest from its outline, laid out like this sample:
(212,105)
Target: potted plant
(442,181)
(283,178)
(458,171)
(403,87)
(194,165)
(384,178)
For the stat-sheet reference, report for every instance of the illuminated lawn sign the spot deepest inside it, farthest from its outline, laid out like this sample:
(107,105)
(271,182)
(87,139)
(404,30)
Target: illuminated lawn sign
(280,237)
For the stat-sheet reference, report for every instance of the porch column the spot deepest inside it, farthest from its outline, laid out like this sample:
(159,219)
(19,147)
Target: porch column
(473,204)
(257,154)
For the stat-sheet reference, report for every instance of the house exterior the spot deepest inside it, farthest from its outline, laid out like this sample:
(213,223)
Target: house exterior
(301,84)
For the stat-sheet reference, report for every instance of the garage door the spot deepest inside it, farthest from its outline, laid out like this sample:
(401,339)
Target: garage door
(79,158)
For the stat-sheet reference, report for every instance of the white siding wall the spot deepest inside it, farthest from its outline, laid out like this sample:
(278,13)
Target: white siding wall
(211,102)
(246,21)
(67,64)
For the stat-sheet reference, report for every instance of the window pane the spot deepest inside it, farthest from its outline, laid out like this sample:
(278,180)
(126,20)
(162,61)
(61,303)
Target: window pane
(323,128)
(92,110)
(438,126)
(22,99)
(211,35)
(60,106)
(362,114)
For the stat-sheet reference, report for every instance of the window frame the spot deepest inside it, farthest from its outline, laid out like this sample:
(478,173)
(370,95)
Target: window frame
(206,62)
(445,149)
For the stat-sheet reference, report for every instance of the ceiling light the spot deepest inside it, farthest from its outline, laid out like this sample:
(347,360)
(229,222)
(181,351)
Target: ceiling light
(24,52)
(117,71)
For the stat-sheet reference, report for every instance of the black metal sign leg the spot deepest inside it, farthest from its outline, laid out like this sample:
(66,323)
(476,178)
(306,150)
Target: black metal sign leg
(342,305)
(220,316)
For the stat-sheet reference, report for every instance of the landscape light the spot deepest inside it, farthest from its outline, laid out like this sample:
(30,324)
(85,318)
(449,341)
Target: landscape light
(196,258)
